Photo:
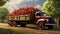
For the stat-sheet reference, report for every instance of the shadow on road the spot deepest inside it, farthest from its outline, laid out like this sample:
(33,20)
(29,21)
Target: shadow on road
(36,28)
(55,29)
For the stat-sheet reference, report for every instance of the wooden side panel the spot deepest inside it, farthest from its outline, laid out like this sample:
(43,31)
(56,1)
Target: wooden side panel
(21,17)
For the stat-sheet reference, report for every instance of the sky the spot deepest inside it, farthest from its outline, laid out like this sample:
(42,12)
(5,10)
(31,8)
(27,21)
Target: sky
(15,4)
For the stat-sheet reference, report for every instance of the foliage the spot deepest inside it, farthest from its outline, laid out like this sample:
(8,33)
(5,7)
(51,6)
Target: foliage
(3,12)
(2,2)
(52,8)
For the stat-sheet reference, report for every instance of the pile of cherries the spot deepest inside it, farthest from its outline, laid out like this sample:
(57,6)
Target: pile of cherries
(23,11)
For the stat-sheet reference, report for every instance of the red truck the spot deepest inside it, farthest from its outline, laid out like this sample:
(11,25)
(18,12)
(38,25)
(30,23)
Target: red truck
(30,15)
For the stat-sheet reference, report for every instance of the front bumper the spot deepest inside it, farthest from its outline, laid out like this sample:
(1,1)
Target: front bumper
(50,24)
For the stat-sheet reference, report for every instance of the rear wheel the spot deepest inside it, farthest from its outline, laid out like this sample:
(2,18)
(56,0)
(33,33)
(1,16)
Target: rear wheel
(12,24)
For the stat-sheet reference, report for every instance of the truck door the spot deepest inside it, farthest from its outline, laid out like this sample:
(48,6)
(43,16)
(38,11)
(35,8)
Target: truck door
(38,15)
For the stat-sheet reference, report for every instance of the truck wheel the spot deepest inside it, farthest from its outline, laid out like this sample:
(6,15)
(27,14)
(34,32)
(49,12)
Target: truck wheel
(40,25)
(50,27)
(23,25)
(12,24)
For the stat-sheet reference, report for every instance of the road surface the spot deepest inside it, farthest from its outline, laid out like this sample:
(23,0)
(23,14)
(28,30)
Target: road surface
(29,28)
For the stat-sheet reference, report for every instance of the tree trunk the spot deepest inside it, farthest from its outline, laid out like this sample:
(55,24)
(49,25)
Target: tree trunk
(57,22)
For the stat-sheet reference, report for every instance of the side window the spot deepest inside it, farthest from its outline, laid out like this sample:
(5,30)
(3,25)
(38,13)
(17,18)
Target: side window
(38,14)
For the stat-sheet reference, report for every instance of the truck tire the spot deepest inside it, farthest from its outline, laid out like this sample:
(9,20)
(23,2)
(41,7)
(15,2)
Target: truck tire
(40,25)
(23,25)
(12,24)
(50,26)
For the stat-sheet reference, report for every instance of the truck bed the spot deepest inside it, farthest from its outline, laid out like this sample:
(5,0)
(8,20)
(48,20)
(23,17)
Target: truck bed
(20,17)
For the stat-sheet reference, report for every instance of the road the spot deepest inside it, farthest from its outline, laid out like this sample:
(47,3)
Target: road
(29,28)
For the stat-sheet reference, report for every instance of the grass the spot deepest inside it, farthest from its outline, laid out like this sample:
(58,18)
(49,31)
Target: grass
(9,31)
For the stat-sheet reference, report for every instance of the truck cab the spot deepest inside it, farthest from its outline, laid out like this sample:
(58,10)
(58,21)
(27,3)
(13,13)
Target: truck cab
(42,20)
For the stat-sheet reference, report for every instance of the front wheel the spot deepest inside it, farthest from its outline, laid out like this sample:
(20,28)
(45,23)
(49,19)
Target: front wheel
(40,25)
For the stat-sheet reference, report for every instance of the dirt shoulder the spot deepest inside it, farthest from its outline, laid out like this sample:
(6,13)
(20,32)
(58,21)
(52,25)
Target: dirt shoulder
(29,28)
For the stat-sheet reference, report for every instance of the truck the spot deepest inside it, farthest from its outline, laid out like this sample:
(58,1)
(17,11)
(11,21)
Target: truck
(30,15)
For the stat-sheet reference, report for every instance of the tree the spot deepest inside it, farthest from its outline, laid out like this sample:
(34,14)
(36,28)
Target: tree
(52,8)
(3,13)
(2,2)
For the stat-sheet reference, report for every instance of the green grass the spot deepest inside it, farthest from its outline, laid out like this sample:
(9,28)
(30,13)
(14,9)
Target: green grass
(11,31)
(7,31)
